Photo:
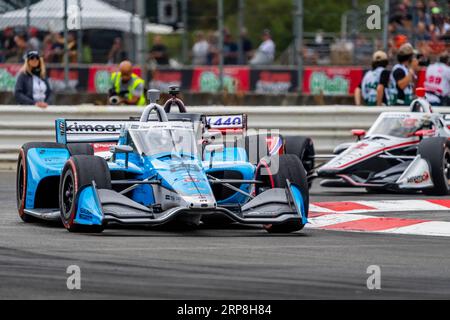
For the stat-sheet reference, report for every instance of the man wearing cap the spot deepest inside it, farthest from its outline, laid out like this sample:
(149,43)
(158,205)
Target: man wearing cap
(403,76)
(372,89)
(437,82)
(127,86)
(266,50)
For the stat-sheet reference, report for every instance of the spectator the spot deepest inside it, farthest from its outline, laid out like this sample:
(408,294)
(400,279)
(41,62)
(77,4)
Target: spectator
(247,46)
(265,53)
(126,86)
(117,52)
(57,48)
(86,50)
(403,76)
(213,53)
(72,47)
(230,50)
(372,89)
(21,49)
(159,51)
(8,45)
(34,43)
(200,49)
(32,87)
(437,82)
(47,48)
(422,33)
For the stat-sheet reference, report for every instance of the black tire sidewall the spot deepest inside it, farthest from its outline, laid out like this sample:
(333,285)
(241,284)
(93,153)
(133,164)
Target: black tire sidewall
(302,147)
(291,168)
(434,151)
(85,169)
(22,163)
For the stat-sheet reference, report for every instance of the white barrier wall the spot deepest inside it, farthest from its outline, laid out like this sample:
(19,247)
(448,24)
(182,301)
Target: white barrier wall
(326,125)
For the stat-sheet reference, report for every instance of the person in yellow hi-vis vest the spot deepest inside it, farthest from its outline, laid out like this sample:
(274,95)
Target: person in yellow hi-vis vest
(126,87)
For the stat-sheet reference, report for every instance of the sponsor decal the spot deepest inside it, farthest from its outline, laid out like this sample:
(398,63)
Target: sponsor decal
(224,121)
(93,128)
(360,146)
(85,214)
(419,179)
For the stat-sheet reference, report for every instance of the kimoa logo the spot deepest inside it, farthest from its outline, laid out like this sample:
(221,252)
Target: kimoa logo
(113,128)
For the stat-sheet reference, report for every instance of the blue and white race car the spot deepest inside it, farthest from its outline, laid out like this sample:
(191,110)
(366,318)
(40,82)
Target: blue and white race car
(161,169)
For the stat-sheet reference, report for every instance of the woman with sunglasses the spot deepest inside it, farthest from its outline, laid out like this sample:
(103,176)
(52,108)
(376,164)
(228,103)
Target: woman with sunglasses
(32,87)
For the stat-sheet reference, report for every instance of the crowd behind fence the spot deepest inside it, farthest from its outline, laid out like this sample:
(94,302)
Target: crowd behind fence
(425,24)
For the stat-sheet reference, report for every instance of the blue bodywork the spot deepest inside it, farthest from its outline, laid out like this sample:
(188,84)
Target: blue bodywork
(187,177)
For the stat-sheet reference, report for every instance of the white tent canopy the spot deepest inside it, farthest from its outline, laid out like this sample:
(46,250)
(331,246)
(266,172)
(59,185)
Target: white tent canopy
(95,14)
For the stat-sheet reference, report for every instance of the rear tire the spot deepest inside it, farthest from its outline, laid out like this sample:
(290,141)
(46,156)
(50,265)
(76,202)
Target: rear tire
(80,171)
(437,153)
(291,168)
(256,147)
(78,149)
(302,147)
(21,175)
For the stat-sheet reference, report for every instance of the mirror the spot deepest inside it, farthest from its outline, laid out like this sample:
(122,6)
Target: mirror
(359,133)
(214,148)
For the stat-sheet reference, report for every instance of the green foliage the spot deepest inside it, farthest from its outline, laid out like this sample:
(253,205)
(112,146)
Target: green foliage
(276,15)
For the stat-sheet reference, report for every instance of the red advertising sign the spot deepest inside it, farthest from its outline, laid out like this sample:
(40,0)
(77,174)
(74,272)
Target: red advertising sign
(206,79)
(162,80)
(331,81)
(99,79)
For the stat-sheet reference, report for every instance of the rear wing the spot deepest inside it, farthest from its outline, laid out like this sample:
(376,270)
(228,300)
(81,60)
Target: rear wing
(89,131)
(93,131)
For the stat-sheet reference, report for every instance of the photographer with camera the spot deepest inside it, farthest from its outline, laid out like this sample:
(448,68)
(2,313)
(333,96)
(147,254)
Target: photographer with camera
(126,87)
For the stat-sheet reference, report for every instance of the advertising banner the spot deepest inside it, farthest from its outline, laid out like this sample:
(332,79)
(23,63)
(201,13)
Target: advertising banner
(273,81)
(206,79)
(331,81)
(8,73)
(163,79)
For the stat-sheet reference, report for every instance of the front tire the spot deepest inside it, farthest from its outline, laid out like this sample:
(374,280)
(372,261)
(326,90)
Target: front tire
(80,171)
(437,153)
(289,168)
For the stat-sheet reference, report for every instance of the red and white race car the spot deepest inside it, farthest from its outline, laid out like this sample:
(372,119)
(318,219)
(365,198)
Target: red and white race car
(401,151)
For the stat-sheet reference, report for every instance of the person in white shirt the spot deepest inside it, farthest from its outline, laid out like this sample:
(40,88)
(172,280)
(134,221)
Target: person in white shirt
(437,82)
(265,54)
(32,86)
(200,49)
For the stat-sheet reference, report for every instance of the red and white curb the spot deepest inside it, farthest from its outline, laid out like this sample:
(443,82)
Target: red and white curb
(346,216)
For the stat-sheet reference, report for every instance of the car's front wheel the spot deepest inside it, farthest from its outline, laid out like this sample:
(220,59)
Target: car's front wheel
(437,153)
(78,172)
(289,168)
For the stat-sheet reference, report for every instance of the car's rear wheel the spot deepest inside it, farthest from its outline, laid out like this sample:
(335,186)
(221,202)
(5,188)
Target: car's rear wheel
(303,148)
(257,146)
(78,149)
(78,172)
(22,175)
(289,168)
(437,153)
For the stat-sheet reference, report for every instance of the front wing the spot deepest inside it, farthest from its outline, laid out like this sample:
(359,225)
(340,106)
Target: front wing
(102,206)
